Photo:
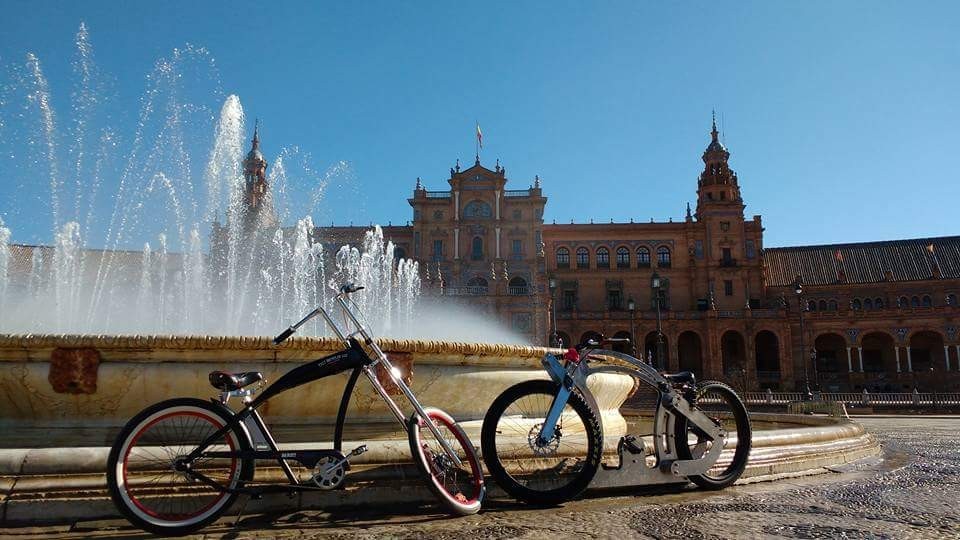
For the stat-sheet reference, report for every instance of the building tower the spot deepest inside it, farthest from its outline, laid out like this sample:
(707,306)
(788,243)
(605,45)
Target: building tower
(258,212)
(717,188)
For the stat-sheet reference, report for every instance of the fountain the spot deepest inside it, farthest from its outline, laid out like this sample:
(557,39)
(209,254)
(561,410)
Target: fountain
(89,336)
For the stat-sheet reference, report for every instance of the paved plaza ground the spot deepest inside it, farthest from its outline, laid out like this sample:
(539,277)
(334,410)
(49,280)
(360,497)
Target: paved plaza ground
(913,492)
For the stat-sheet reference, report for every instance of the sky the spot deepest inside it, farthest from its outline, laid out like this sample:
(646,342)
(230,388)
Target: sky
(841,117)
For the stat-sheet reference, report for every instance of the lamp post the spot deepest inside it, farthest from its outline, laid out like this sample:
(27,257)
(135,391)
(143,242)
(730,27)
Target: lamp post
(554,338)
(798,290)
(633,336)
(655,285)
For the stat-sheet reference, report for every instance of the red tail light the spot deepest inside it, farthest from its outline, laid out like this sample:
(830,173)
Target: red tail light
(572,355)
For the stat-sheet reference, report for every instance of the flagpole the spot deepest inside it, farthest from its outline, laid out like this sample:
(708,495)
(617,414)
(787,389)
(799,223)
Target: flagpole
(476,142)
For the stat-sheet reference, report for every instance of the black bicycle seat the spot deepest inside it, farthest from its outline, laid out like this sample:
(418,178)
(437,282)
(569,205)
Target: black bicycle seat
(227,382)
(680,377)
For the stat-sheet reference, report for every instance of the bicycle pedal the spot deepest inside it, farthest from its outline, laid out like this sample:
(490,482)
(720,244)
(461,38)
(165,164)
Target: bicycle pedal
(631,444)
(358,450)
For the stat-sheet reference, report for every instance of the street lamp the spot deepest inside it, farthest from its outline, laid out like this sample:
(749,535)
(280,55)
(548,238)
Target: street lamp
(798,290)
(552,284)
(655,284)
(633,336)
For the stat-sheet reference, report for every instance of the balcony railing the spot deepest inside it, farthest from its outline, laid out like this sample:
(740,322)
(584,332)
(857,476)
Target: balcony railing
(516,193)
(728,263)
(438,195)
(519,291)
(467,291)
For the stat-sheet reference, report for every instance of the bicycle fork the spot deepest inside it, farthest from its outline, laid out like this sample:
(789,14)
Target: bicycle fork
(567,382)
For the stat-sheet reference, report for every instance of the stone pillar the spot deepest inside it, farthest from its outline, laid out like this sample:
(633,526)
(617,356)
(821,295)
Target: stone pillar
(946,356)
(909,361)
(456,206)
(674,359)
(849,362)
(498,206)
(498,242)
(860,356)
(958,356)
(896,349)
(456,243)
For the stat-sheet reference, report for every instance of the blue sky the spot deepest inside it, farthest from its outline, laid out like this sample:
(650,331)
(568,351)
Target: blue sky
(841,117)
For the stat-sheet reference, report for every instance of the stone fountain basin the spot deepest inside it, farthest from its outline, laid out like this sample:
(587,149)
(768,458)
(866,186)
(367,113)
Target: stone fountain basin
(63,399)
(76,390)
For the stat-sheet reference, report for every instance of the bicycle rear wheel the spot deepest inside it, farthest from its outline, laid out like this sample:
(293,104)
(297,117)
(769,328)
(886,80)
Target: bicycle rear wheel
(541,474)
(721,403)
(147,476)
(459,488)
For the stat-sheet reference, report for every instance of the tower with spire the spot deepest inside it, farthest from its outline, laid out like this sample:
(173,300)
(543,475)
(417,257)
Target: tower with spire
(717,187)
(258,212)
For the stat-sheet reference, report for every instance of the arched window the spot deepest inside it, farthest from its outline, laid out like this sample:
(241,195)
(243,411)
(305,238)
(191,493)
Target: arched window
(927,301)
(477,252)
(903,302)
(643,257)
(822,305)
(583,257)
(663,257)
(833,305)
(812,305)
(868,304)
(517,286)
(603,257)
(477,286)
(623,257)
(951,299)
(563,258)
(878,303)
(915,301)
(855,304)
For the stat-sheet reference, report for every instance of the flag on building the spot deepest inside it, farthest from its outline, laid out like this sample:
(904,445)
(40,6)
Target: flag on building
(479,136)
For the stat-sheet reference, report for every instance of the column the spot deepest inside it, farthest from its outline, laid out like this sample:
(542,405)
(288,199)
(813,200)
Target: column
(946,356)
(456,206)
(860,356)
(674,359)
(909,361)
(958,356)
(498,205)
(456,243)
(849,362)
(498,245)
(896,349)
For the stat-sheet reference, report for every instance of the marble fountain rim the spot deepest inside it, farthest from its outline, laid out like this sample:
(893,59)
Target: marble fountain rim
(180,341)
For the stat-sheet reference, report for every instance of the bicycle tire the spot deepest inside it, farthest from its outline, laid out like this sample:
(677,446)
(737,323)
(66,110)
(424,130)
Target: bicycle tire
(140,475)
(741,455)
(459,489)
(500,434)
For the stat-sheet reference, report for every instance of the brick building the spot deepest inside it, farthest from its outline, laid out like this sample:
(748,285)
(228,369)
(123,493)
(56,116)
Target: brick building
(880,316)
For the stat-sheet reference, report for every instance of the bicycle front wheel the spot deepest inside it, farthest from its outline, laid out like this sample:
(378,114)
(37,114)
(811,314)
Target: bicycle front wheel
(533,471)
(151,482)
(459,488)
(721,403)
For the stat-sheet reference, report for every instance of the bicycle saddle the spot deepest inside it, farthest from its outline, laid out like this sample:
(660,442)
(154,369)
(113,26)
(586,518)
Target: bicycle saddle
(227,382)
(680,377)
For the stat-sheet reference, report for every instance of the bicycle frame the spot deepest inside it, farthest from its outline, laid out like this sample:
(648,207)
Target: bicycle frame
(574,376)
(352,357)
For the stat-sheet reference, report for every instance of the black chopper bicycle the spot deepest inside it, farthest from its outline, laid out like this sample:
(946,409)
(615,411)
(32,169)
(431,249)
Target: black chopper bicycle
(542,440)
(180,464)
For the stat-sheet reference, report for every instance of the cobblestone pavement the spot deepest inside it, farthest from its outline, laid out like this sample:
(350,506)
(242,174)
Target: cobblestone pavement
(914,492)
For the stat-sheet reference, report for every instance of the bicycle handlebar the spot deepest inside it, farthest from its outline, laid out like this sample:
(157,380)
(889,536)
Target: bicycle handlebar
(284,335)
(345,290)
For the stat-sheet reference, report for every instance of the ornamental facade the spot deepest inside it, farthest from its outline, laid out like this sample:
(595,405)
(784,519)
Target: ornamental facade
(880,316)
